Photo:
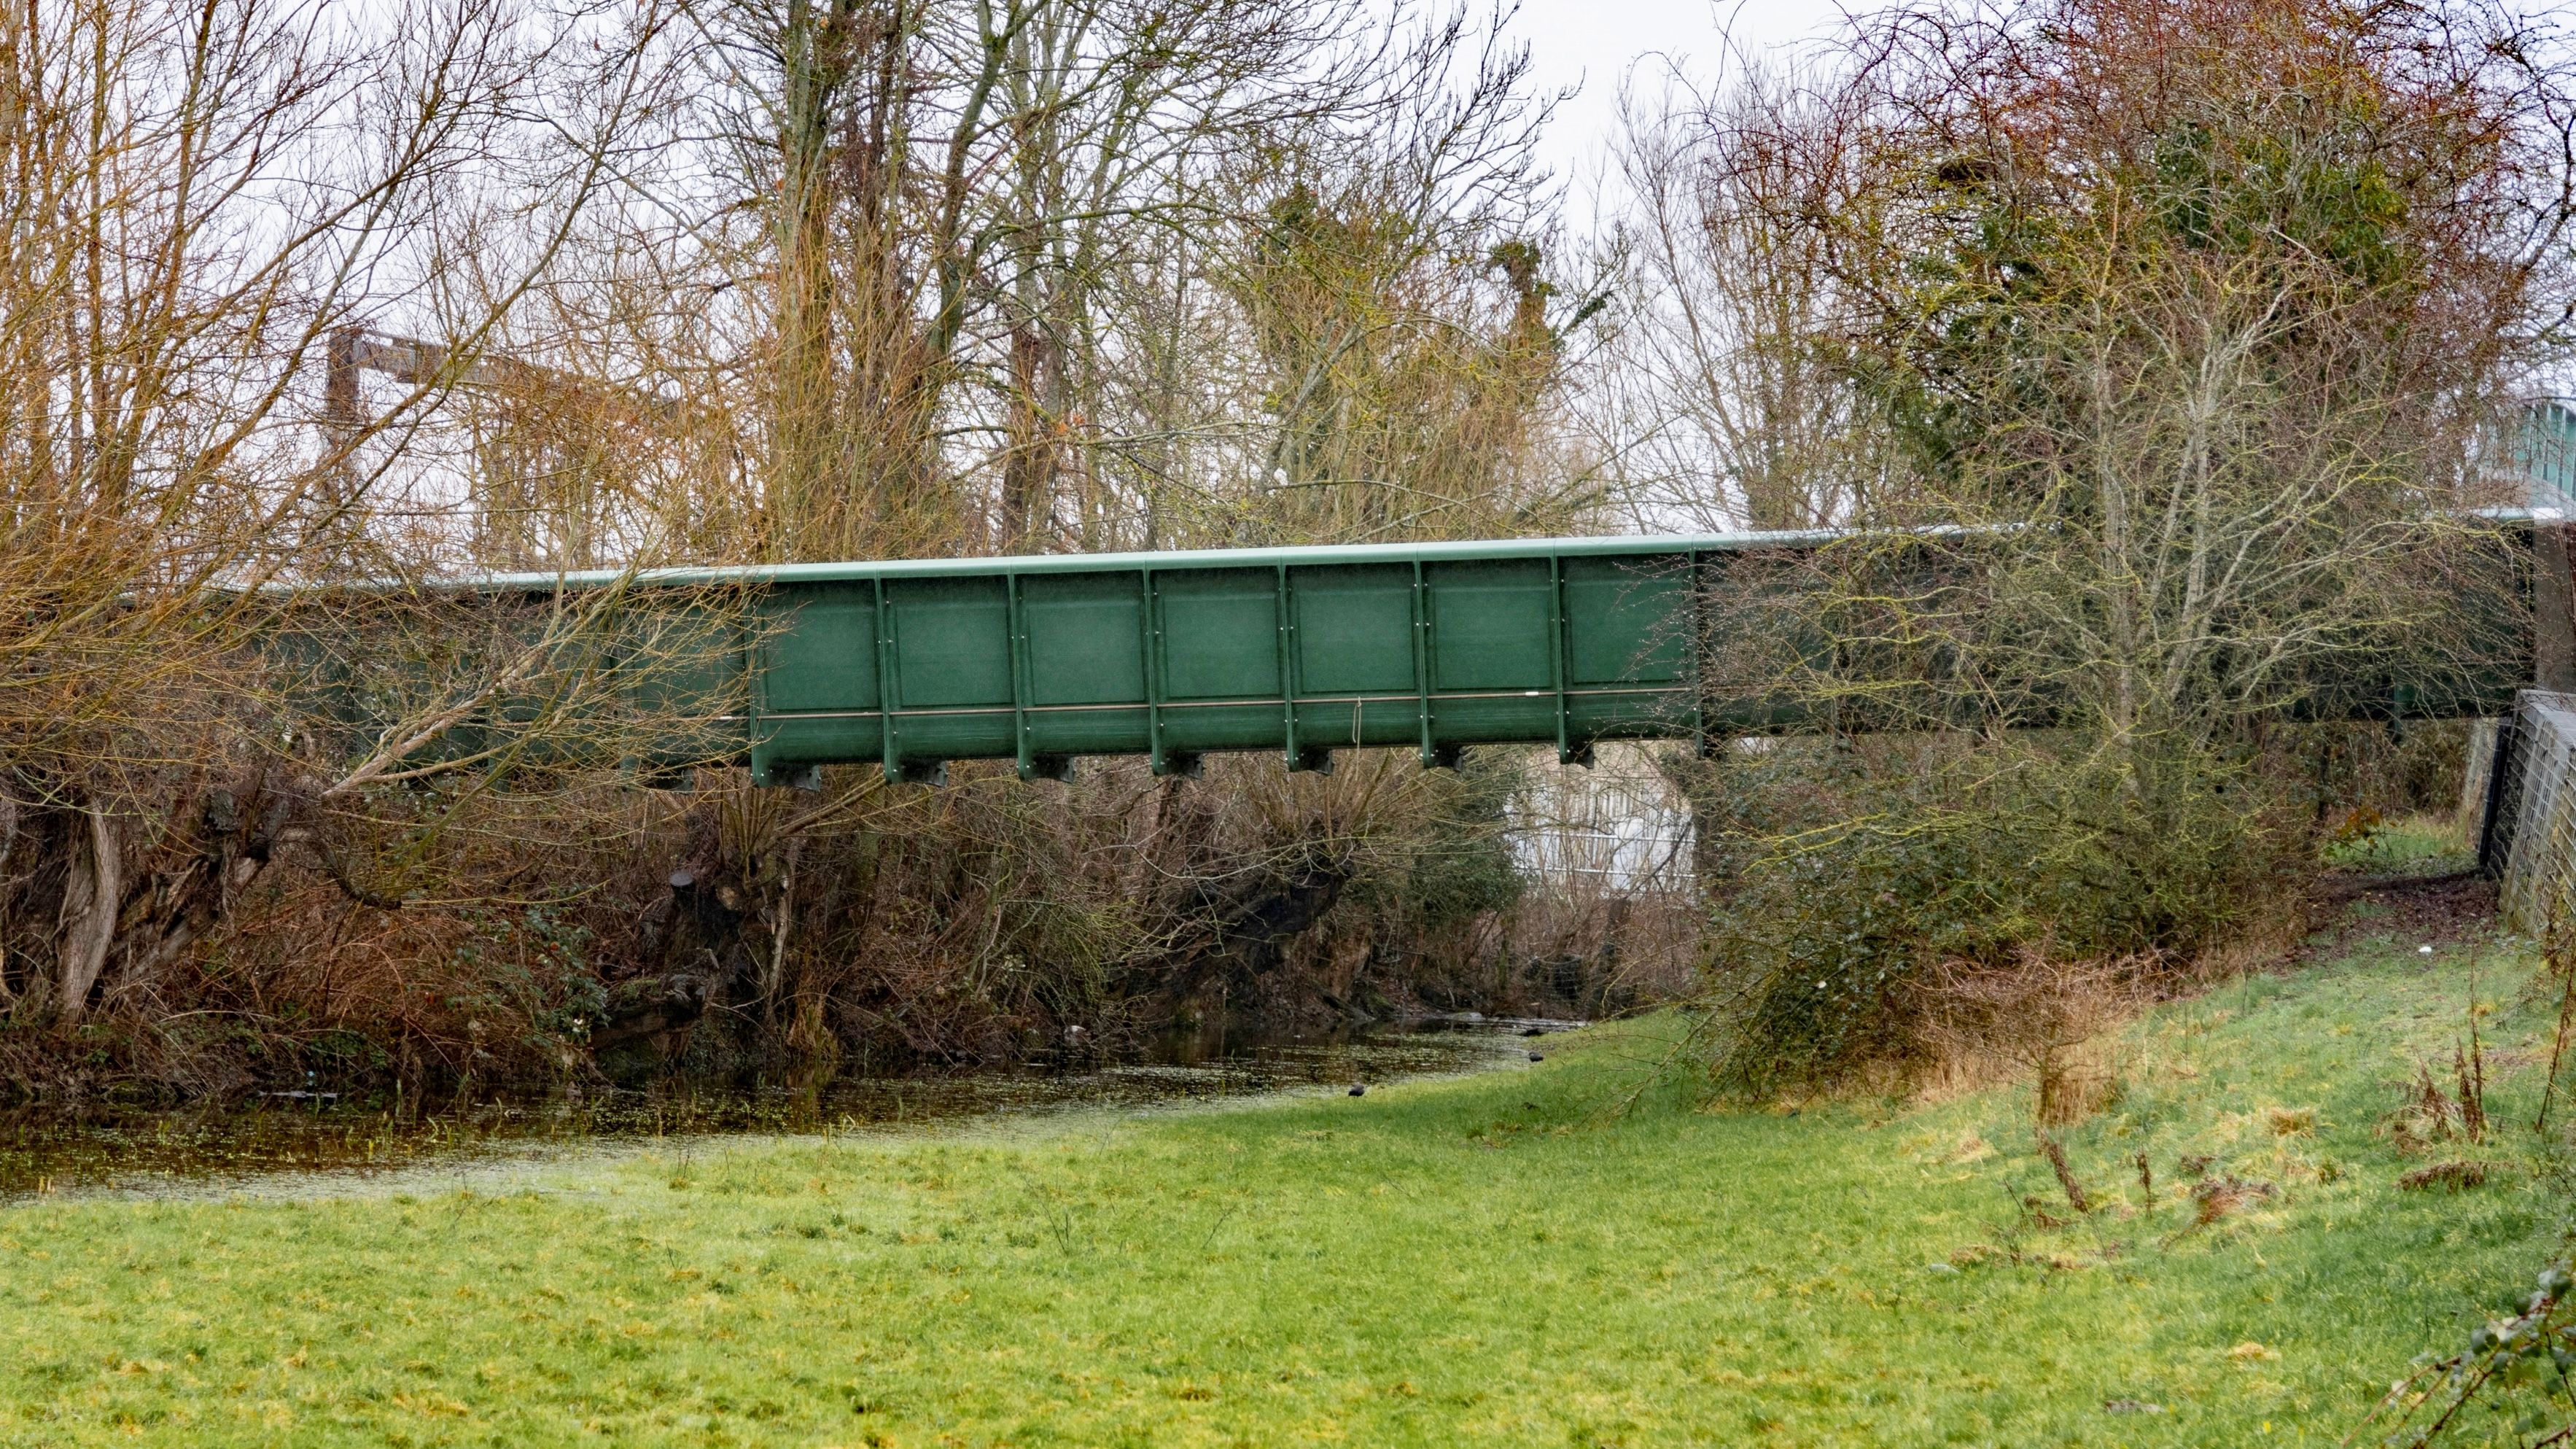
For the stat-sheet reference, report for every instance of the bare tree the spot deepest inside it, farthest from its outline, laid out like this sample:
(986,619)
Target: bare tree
(200,200)
(1730,405)
(2179,331)
(498,289)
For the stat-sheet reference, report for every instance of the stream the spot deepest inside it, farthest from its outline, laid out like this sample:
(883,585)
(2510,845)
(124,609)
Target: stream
(293,1143)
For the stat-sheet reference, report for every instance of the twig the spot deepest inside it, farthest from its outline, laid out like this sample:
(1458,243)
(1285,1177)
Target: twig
(1208,1241)
(2555,956)
(2056,1156)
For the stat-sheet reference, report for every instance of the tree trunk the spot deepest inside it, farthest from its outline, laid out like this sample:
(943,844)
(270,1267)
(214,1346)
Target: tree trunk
(1029,468)
(90,902)
(803,518)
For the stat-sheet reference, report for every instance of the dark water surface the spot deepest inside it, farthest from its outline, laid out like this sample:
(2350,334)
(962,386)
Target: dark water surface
(162,1151)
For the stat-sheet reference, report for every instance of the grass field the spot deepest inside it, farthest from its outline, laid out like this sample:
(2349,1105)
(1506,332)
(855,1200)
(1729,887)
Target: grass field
(1493,1260)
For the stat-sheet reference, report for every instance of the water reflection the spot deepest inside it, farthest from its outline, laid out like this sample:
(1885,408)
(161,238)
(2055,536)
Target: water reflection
(45,1153)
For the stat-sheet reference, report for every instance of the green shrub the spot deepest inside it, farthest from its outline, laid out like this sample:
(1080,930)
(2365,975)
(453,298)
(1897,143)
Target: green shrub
(1839,874)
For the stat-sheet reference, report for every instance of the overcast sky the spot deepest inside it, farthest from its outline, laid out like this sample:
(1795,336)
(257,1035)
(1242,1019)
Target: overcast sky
(1596,43)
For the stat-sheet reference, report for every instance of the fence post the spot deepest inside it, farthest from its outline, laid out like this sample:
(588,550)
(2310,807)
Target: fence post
(2493,839)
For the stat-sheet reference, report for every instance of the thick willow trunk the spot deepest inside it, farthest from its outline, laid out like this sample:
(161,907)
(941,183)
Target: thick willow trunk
(90,902)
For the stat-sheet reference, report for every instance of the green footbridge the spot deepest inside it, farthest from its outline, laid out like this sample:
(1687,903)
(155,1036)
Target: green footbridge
(1303,651)
(1176,655)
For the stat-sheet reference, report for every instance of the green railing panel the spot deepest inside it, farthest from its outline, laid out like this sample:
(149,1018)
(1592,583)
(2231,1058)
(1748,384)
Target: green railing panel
(820,650)
(1218,633)
(1354,630)
(1632,624)
(1491,625)
(1086,639)
(951,643)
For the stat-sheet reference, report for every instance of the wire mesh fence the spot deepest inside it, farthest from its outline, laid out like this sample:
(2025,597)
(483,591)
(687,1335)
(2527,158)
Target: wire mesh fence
(2527,835)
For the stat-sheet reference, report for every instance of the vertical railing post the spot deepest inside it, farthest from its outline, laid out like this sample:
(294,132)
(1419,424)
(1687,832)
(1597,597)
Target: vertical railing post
(1699,653)
(1019,647)
(755,684)
(890,756)
(1422,664)
(1149,618)
(1287,671)
(1565,752)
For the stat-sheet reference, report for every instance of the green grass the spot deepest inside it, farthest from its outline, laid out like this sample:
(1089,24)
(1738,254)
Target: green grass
(1481,1261)
(2404,844)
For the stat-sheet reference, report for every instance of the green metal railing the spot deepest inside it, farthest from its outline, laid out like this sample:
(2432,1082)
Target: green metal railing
(910,664)
(1174,655)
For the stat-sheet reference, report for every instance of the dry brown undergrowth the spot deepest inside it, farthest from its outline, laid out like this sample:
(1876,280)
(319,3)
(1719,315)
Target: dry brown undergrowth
(2051,1021)
(2057,1023)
